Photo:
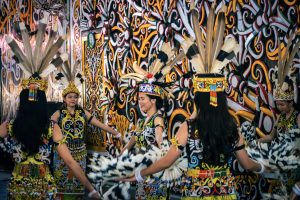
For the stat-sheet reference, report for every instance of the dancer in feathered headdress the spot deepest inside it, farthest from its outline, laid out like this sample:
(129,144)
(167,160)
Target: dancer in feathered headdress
(199,137)
(150,137)
(31,136)
(278,150)
(73,119)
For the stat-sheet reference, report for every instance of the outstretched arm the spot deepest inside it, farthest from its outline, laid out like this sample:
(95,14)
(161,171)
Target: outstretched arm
(243,158)
(94,121)
(172,155)
(65,154)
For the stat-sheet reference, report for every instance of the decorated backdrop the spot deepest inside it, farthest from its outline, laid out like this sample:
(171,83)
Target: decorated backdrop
(107,36)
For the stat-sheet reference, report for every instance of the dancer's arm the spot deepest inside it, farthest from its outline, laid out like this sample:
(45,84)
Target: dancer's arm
(271,136)
(3,129)
(172,155)
(65,154)
(243,158)
(94,121)
(55,116)
(159,128)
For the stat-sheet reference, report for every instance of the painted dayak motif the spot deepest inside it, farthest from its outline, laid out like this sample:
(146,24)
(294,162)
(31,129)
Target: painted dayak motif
(128,31)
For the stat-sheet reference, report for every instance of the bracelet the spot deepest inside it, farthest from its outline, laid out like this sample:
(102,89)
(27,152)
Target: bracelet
(92,193)
(239,148)
(296,189)
(138,176)
(262,169)
(118,135)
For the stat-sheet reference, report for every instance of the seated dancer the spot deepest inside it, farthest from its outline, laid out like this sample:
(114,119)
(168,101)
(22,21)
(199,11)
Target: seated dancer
(278,149)
(31,136)
(209,138)
(73,119)
(151,132)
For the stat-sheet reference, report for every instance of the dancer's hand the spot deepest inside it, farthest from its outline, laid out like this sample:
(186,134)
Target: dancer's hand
(119,136)
(293,196)
(269,169)
(295,191)
(129,179)
(94,195)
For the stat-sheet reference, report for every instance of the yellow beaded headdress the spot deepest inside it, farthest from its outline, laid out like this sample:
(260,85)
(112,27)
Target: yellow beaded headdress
(70,78)
(151,82)
(37,62)
(208,61)
(284,83)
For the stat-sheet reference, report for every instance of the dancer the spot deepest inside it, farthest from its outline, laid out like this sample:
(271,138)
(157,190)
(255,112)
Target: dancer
(73,119)
(31,136)
(150,131)
(30,139)
(150,138)
(209,138)
(278,149)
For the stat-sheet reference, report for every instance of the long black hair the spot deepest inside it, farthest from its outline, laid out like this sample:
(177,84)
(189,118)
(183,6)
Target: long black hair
(31,122)
(216,127)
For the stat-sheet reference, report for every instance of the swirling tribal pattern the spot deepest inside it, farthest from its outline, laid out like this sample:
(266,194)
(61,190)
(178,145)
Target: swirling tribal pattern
(11,74)
(134,30)
(12,11)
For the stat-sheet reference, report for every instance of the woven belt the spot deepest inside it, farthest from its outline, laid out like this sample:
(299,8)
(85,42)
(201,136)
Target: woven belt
(210,173)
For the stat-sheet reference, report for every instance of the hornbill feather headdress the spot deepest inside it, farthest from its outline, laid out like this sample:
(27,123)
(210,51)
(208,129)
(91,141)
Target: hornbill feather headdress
(209,60)
(70,78)
(285,88)
(37,62)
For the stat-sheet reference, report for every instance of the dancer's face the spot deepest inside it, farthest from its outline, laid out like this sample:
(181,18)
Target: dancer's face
(145,102)
(71,99)
(284,106)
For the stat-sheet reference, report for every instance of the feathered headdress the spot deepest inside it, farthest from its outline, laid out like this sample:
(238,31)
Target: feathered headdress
(284,84)
(70,78)
(151,82)
(217,53)
(37,63)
